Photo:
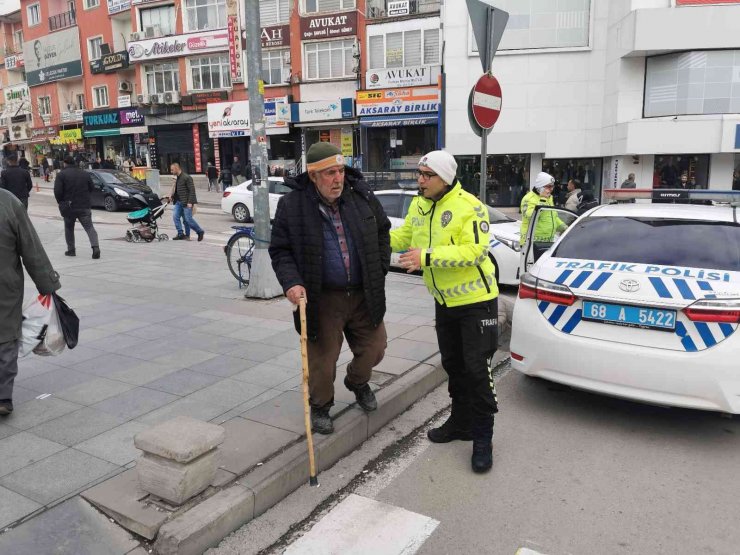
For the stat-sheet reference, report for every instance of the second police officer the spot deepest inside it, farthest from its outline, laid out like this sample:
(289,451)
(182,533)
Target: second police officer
(445,234)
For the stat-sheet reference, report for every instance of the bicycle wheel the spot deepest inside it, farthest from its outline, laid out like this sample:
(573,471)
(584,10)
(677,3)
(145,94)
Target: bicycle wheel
(239,251)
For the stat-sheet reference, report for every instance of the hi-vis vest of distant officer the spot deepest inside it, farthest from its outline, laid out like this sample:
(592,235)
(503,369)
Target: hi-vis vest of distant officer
(548,224)
(453,236)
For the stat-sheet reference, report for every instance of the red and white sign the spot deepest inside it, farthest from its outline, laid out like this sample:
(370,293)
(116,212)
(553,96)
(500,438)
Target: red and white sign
(486,101)
(202,42)
(196,148)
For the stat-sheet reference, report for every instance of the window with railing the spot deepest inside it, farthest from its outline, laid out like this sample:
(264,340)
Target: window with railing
(44,106)
(62,20)
(377,9)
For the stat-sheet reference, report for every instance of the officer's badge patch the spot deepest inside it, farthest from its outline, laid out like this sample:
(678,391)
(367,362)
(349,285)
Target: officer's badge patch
(484,227)
(446,218)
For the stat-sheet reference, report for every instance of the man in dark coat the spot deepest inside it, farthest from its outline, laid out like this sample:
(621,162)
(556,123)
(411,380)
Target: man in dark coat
(16,180)
(331,245)
(19,246)
(72,188)
(185,197)
(237,171)
(23,163)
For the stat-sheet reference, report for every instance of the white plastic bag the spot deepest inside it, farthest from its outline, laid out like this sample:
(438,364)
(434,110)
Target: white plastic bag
(36,316)
(53,342)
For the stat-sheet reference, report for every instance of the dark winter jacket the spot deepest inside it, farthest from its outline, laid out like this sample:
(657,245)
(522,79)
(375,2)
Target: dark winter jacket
(16,180)
(297,245)
(75,185)
(212,172)
(185,189)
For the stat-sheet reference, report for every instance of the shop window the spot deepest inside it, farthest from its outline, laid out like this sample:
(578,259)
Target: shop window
(399,148)
(81,102)
(44,105)
(404,48)
(586,170)
(210,72)
(100,96)
(18,41)
(93,47)
(316,6)
(507,179)
(668,171)
(329,60)
(274,12)
(91,4)
(34,14)
(274,70)
(205,14)
(162,78)
(162,17)
(699,82)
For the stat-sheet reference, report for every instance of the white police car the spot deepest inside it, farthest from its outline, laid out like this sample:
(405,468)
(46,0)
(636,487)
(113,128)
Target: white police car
(640,301)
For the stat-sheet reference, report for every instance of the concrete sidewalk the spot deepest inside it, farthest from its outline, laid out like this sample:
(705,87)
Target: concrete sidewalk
(165,331)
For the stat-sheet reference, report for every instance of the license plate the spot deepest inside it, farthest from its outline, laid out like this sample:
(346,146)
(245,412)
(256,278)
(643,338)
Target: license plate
(631,316)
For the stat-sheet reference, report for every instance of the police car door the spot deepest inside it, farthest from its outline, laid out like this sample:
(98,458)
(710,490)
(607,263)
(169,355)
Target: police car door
(545,228)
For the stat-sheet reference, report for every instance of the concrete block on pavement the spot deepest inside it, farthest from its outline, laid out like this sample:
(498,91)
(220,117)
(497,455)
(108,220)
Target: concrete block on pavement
(177,482)
(181,439)
(206,524)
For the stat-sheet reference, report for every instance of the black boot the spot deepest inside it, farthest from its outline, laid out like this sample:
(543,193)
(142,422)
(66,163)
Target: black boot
(482,459)
(457,425)
(180,237)
(96,253)
(6,407)
(364,395)
(70,252)
(321,422)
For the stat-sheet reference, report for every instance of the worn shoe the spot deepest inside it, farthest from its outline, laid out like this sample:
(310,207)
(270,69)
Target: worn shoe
(6,407)
(70,253)
(200,235)
(180,237)
(364,395)
(321,422)
(449,431)
(482,459)
(96,253)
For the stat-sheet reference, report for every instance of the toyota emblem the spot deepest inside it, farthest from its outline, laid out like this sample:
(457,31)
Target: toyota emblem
(629,285)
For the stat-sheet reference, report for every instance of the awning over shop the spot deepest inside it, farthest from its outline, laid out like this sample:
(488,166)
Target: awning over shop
(103,132)
(399,120)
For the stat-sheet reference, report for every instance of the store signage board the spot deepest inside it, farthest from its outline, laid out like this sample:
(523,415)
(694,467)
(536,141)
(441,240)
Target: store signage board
(236,51)
(275,36)
(398,7)
(231,119)
(324,110)
(124,101)
(204,97)
(179,45)
(118,6)
(486,103)
(16,94)
(328,26)
(112,119)
(14,62)
(19,132)
(397,101)
(53,57)
(415,76)
(110,63)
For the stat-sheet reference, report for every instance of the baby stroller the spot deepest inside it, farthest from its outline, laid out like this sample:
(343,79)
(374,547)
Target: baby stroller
(146,218)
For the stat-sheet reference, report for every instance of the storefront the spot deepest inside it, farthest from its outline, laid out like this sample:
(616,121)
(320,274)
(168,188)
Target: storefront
(68,140)
(397,126)
(588,171)
(116,133)
(667,170)
(507,179)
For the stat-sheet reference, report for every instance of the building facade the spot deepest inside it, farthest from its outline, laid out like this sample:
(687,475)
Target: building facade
(15,105)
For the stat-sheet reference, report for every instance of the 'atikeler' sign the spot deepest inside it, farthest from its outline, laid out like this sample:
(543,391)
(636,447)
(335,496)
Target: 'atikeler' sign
(180,45)
(328,26)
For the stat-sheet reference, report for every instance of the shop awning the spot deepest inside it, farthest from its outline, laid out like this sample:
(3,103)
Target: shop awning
(327,124)
(103,132)
(133,130)
(399,120)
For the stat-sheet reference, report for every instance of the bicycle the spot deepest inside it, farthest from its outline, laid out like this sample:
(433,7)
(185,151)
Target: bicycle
(239,251)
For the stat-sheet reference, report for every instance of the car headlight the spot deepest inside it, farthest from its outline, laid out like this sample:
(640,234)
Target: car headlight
(120,192)
(513,244)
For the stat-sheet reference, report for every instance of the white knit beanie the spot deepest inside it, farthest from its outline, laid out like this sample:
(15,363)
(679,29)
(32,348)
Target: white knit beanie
(442,163)
(543,179)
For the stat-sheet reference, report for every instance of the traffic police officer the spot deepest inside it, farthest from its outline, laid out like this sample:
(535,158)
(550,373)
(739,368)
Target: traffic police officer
(445,235)
(541,195)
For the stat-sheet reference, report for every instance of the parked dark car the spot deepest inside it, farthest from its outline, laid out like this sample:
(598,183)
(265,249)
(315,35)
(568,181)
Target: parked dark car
(114,190)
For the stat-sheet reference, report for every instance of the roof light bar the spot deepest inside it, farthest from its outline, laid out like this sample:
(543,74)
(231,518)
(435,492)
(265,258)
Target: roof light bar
(674,195)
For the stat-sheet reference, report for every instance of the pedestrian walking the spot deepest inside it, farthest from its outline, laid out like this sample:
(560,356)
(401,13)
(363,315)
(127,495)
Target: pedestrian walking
(212,174)
(178,216)
(540,195)
(16,180)
(72,188)
(127,165)
(573,196)
(185,191)
(23,162)
(19,242)
(445,234)
(629,183)
(330,245)
(237,171)
(46,168)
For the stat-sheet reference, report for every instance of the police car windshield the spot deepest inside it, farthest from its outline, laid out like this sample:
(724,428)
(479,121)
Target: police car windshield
(669,242)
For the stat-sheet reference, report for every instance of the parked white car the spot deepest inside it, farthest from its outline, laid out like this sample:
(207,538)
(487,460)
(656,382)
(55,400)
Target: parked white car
(503,234)
(238,200)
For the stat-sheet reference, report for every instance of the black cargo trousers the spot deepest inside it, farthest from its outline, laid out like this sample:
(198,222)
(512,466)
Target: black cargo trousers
(468,337)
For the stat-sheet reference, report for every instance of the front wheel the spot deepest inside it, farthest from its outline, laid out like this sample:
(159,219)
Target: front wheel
(110,203)
(241,213)
(239,252)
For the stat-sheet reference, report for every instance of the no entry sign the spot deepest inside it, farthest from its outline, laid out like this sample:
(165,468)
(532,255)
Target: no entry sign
(486,101)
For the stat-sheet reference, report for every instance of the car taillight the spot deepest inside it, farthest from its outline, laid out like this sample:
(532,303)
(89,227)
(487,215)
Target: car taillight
(531,287)
(517,356)
(226,193)
(714,310)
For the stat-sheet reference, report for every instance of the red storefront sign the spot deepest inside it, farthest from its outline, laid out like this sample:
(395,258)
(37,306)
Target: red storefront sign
(196,148)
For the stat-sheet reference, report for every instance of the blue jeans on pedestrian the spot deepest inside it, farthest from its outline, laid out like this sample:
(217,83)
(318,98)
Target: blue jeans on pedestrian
(190,221)
(178,215)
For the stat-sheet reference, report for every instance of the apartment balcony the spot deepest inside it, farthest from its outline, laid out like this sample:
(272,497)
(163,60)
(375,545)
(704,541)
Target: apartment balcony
(383,9)
(62,20)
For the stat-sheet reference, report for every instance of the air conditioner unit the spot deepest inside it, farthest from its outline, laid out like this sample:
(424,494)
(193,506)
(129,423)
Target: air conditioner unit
(153,32)
(136,36)
(172,97)
(155,98)
(143,99)
(125,86)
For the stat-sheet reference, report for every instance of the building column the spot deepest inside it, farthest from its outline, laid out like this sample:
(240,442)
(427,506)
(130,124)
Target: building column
(535,167)
(721,166)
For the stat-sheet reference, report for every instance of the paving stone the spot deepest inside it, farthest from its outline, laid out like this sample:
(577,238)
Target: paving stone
(115,445)
(23,395)
(290,359)
(143,373)
(412,350)
(422,333)
(227,393)
(394,365)
(135,402)
(192,321)
(182,358)
(13,507)
(117,342)
(72,527)
(181,439)
(57,476)
(122,325)
(257,352)
(74,427)
(204,342)
(37,411)
(223,366)
(7,430)
(182,407)
(254,334)
(394,329)
(54,381)
(267,374)
(182,382)
(93,391)
(121,498)
(71,358)
(248,442)
(21,449)
(107,364)
(34,365)
(285,411)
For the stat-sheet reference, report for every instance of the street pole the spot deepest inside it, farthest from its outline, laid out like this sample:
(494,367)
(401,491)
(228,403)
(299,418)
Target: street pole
(263,283)
(488,60)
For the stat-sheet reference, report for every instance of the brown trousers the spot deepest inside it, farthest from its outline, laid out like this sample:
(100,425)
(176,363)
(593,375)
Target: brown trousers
(343,314)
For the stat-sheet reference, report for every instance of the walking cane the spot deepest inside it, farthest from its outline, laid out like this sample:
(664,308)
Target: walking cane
(306,410)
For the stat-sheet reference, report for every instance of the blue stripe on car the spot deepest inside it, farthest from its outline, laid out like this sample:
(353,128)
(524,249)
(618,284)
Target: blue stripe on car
(573,322)
(660,287)
(706,334)
(686,341)
(705,286)
(727,329)
(583,276)
(599,281)
(556,314)
(543,306)
(684,289)
(562,277)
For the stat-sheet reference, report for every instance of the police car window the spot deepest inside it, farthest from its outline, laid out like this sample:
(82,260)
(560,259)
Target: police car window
(496,217)
(669,242)
(391,204)
(279,188)
(406,203)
